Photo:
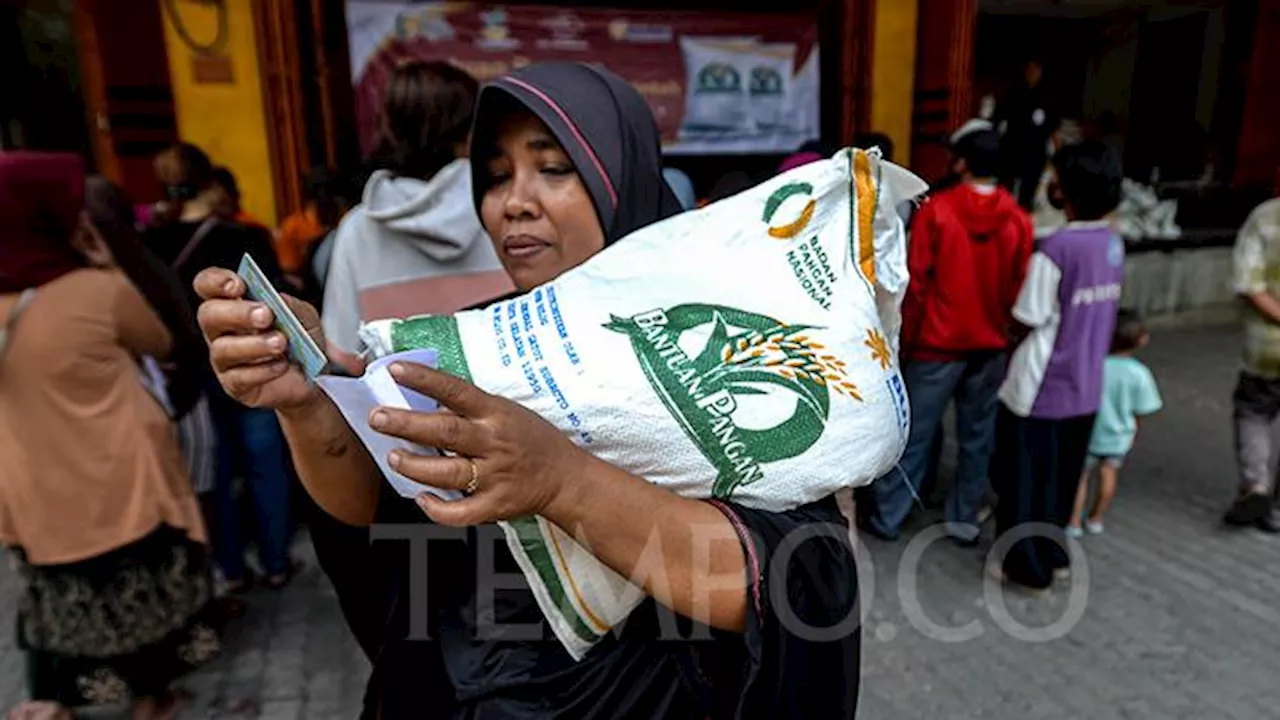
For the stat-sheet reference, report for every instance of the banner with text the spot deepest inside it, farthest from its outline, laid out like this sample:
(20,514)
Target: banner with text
(717,82)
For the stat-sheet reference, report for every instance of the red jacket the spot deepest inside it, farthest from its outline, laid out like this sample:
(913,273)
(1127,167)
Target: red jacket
(968,254)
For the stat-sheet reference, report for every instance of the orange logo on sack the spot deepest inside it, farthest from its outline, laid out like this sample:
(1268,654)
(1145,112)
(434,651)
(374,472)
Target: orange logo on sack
(774,204)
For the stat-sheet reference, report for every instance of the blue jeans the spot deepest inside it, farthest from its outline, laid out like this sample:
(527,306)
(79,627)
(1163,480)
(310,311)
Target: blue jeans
(931,385)
(250,442)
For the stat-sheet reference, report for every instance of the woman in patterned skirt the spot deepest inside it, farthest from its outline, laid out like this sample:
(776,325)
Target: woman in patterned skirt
(95,500)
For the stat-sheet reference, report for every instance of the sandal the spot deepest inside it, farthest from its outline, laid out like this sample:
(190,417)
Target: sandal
(279,582)
(227,608)
(167,706)
(39,710)
(243,585)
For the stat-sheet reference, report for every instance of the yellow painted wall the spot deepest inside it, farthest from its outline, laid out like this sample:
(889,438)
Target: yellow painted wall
(893,75)
(227,121)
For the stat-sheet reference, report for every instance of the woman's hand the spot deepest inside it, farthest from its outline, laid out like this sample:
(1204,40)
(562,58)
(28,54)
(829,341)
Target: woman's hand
(523,465)
(248,354)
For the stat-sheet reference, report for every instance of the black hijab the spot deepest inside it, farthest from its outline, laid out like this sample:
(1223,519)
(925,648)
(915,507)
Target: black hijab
(604,125)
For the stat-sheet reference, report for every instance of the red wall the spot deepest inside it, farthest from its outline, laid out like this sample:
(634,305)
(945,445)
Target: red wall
(1259,155)
(944,81)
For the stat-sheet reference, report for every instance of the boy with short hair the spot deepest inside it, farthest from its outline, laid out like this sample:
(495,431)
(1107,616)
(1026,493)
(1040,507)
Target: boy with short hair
(1129,394)
(1051,393)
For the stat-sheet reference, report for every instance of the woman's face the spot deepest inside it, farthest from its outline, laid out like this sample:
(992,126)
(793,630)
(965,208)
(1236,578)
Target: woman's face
(536,208)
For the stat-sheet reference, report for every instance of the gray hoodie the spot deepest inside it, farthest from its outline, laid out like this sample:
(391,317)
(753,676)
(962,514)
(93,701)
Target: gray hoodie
(412,247)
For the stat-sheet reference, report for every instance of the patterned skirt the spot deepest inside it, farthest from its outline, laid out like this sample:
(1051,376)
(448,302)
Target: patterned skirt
(124,624)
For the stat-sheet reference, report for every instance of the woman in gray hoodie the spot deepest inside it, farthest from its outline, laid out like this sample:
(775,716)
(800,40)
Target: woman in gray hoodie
(414,245)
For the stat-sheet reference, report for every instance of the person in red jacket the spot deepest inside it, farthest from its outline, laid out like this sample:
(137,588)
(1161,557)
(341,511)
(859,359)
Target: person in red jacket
(969,249)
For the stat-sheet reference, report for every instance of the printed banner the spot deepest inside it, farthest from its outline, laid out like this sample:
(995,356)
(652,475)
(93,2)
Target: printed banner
(717,82)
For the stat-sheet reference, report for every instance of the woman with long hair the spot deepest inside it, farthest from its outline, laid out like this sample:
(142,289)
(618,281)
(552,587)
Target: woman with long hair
(95,501)
(566,162)
(114,241)
(250,445)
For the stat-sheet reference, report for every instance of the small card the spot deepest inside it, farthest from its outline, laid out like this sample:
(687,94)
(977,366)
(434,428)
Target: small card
(303,349)
(357,397)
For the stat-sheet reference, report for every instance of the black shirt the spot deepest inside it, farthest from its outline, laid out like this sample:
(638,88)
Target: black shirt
(1031,120)
(513,667)
(222,246)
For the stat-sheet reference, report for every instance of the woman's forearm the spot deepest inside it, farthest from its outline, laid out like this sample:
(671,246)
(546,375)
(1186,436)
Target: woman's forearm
(684,553)
(334,466)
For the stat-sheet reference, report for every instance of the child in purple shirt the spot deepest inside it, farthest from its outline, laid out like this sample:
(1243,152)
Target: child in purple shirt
(1067,308)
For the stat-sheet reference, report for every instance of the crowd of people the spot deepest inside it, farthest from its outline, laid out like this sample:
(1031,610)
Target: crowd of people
(130,540)
(1028,422)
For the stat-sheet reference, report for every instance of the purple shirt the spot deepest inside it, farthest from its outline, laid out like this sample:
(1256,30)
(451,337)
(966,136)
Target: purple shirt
(1069,300)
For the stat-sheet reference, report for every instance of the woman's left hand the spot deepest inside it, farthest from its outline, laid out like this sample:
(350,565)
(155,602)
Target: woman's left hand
(522,465)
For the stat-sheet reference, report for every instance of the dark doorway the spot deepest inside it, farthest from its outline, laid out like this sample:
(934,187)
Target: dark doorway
(1164,132)
(40,102)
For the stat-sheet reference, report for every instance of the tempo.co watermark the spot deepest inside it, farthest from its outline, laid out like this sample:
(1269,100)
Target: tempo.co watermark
(806,564)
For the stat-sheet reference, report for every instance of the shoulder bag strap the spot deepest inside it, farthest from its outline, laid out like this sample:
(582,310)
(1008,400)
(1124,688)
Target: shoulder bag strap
(12,321)
(194,243)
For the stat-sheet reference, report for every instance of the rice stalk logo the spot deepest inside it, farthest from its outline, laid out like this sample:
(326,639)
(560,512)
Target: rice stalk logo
(783,229)
(746,388)
(718,77)
(765,81)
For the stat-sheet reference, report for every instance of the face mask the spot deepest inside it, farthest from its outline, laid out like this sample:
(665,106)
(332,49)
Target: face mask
(181,191)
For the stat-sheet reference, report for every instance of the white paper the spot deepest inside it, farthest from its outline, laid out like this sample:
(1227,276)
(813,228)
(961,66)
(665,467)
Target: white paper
(357,397)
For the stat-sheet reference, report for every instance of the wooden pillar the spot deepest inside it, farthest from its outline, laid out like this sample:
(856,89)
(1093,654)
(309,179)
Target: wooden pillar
(276,28)
(848,30)
(1258,158)
(128,95)
(944,80)
(334,89)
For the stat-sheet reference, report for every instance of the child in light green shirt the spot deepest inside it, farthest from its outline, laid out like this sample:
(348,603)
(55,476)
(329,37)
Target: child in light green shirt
(1129,394)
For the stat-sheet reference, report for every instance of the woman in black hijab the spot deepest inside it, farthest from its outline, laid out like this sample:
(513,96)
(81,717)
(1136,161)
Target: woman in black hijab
(566,160)
(604,126)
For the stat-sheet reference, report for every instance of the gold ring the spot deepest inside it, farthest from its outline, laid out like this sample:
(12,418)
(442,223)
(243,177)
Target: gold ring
(474,483)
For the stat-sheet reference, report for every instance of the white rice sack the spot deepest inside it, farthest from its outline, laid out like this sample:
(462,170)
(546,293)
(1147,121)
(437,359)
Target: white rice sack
(745,351)
(716,98)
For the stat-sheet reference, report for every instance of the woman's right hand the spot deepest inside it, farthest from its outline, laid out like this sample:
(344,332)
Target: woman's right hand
(247,352)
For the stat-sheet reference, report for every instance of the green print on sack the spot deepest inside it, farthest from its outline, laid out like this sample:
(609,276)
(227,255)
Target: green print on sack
(434,331)
(782,228)
(808,260)
(762,355)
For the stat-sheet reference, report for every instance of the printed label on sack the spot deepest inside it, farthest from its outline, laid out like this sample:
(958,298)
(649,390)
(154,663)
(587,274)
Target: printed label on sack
(787,213)
(746,388)
(901,406)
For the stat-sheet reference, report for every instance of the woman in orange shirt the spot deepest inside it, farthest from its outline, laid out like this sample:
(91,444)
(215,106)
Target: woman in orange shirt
(325,205)
(95,500)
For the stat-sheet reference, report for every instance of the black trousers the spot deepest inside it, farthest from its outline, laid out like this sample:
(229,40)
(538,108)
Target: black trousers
(1024,166)
(1036,470)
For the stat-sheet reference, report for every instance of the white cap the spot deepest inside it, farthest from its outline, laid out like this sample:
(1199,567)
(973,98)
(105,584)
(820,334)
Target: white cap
(969,128)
